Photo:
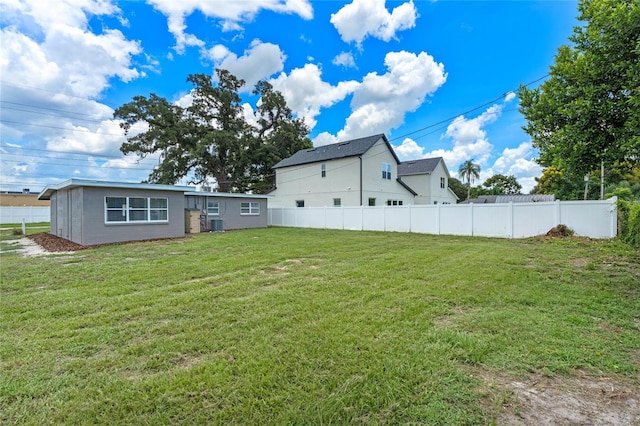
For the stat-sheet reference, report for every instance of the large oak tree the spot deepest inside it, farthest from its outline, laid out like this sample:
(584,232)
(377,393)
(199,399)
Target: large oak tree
(211,138)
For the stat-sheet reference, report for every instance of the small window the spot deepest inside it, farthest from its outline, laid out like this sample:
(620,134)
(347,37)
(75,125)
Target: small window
(372,202)
(386,171)
(442,183)
(323,170)
(249,208)
(337,202)
(299,203)
(400,202)
(213,208)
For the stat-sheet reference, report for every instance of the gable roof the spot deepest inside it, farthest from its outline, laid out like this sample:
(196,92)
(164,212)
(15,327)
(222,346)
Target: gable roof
(351,148)
(418,167)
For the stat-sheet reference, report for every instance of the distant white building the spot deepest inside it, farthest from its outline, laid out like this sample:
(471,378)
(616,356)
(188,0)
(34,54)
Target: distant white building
(358,172)
(429,177)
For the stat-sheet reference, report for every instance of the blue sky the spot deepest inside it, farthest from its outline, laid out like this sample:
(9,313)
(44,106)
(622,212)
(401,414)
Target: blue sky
(437,77)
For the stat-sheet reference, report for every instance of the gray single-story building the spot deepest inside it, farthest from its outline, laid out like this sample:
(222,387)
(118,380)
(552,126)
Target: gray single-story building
(91,212)
(220,211)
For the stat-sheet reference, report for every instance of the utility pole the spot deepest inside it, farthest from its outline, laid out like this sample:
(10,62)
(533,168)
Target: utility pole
(586,185)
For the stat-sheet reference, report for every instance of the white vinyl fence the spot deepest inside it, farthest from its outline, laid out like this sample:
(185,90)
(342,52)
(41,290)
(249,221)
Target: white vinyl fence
(12,214)
(595,219)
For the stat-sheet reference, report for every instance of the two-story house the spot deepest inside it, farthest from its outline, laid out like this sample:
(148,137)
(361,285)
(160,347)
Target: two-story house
(358,172)
(429,177)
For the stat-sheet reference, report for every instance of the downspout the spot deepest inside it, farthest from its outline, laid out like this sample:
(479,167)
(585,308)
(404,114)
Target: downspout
(360,157)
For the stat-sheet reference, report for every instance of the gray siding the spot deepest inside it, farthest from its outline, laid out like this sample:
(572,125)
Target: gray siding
(53,215)
(230,211)
(96,231)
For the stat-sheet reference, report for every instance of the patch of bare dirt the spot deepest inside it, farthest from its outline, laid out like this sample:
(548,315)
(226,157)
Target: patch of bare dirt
(571,401)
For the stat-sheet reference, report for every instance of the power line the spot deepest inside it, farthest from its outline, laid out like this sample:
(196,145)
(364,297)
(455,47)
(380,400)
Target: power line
(60,152)
(47,108)
(60,128)
(466,112)
(79,165)
(52,115)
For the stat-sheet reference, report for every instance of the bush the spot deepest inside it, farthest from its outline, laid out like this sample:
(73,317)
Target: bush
(629,222)
(17,231)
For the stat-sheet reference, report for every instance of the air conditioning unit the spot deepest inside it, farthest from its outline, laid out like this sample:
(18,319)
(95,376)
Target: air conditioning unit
(216,225)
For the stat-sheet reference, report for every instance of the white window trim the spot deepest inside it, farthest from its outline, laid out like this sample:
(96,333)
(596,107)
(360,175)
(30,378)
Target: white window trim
(126,209)
(386,171)
(252,206)
(217,208)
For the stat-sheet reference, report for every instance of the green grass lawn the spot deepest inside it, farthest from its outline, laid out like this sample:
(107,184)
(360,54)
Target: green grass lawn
(297,326)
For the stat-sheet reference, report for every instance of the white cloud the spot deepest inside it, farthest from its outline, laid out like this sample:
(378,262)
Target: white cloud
(344,59)
(306,93)
(231,14)
(63,55)
(519,162)
(259,62)
(409,150)
(469,140)
(509,97)
(363,18)
(381,101)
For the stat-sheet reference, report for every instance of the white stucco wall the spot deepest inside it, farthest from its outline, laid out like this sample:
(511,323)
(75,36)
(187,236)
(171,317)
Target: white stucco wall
(342,180)
(428,186)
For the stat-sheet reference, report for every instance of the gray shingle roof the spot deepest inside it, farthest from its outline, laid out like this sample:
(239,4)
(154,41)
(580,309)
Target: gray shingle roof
(352,148)
(426,165)
(518,198)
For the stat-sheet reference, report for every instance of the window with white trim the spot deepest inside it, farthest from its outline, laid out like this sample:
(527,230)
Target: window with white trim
(323,170)
(249,208)
(299,203)
(337,202)
(372,202)
(442,182)
(386,171)
(213,207)
(136,209)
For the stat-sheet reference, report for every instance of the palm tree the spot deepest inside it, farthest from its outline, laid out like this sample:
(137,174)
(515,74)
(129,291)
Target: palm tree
(469,171)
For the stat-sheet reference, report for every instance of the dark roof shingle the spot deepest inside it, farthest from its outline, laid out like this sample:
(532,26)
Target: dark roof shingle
(426,165)
(334,151)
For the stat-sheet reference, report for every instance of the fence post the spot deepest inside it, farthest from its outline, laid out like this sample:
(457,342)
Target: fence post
(613,217)
(510,219)
(471,217)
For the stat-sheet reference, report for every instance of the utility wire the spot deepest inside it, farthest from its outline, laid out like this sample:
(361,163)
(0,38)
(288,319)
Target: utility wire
(47,108)
(60,128)
(466,112)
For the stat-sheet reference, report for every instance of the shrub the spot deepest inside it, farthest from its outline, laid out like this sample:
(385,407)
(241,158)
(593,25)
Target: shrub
(629,222)
(17,231)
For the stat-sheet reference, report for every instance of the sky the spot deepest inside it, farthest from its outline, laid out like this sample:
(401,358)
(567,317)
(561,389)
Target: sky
(438,78)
